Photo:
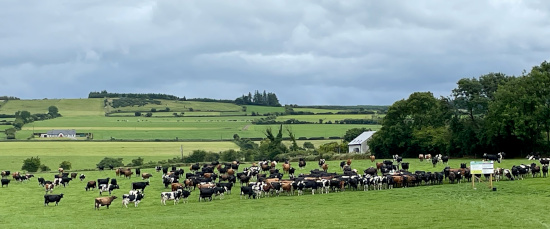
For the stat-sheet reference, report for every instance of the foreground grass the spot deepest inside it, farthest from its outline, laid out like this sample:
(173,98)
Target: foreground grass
(516,204)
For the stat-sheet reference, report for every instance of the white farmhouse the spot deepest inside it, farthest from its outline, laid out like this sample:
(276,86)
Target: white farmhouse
(359,144)
(61,134)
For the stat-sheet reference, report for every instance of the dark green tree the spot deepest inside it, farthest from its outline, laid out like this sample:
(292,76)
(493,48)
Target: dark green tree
(31,164)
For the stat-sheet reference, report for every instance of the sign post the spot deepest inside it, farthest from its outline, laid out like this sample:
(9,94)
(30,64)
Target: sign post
(482,167)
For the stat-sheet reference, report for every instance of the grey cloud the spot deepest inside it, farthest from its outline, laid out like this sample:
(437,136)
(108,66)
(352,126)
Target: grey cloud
(322,52)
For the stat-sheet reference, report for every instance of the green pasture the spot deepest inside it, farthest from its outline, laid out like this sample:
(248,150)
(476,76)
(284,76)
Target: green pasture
(515,204)
(66,107)
(263,109)
(85,155)
(324,117)
(183,106)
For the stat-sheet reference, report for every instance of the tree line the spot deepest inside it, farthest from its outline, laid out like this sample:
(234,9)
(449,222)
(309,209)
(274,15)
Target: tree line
(489,114)
(105,94)
(261,99)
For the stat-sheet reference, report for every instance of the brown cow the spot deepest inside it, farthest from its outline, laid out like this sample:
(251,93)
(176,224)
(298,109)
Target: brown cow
(190,183)
(60,170)
(287,187)
(230,172)
(73,176)
(379,165)
(398,180)
(348,162)
(176,186)
(421,157)
(325,167)
(117,172)
(372,158)
(91,185)
(273,164)
(206,185)
(428,157)
(48,187)
(146,176)
(15,175)
(128,174)
(286,168)
(105,201)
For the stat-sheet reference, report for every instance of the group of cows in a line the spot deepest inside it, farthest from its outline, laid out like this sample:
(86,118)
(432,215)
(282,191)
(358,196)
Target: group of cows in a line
(265,179)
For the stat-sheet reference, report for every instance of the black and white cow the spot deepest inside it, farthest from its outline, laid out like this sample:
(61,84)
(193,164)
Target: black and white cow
(321,162)
(134,197)
(52,198)
(82,177)
(103,181)
(175,196)
(41,181)
(107,188)
(158,168)
(492,157)
(65,181)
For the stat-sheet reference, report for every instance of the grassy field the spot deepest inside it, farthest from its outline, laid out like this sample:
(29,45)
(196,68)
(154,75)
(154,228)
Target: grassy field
(516,204)
(85,155)
(183,106)
(67,107)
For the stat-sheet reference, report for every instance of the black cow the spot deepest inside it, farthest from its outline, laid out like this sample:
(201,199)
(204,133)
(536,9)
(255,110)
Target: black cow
(544,170)
(405,165)
(445,159)
(114,181)
(101,168)
(164,170)
(434,161)
(65,181)
(206,193)
(52,198)
(5,182)
(140,185)
(138,172)
(245,190)
(103,181)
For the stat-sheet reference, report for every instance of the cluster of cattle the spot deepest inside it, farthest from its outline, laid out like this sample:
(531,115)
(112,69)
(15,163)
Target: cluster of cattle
(265,179)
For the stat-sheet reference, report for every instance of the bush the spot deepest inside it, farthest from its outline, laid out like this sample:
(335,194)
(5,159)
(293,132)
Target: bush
(31,164)
(137,113)
(115,162)
(44,168)
(66,165)
(137,162)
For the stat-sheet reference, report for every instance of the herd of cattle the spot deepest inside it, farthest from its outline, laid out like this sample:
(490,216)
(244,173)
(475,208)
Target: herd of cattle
(264,178)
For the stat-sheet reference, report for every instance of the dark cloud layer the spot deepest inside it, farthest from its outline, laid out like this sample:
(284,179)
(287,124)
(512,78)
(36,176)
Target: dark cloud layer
(307,52)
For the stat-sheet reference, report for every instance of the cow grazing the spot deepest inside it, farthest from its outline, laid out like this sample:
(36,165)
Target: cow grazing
(65,181)
(146,176)
(73,175)
(107,188)
(48,188)
(175,196)
(140,185)
(91,185)
(52,198)
(104,201)
(227,186)
(133,197)
(82,177)
(492,157)
(5,182)
(128,174)
(101,168)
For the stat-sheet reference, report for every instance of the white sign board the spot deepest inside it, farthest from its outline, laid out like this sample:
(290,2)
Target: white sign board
(482,167)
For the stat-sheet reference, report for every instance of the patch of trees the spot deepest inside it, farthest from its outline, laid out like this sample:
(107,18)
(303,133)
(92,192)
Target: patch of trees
(208,100)
(260,99)
(105,94)
(489,114)
(130,102)
(24,117)
(9,98)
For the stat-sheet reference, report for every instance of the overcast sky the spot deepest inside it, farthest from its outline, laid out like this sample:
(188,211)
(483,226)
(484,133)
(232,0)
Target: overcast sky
(307,52)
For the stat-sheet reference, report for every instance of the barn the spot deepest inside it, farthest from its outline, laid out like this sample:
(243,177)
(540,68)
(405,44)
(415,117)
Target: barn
(359,144)
(61,134)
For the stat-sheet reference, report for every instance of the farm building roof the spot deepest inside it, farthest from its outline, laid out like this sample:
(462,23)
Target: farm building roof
(64,132)
(361,138)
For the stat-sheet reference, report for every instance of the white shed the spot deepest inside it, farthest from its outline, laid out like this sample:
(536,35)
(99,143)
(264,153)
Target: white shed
(359,144)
